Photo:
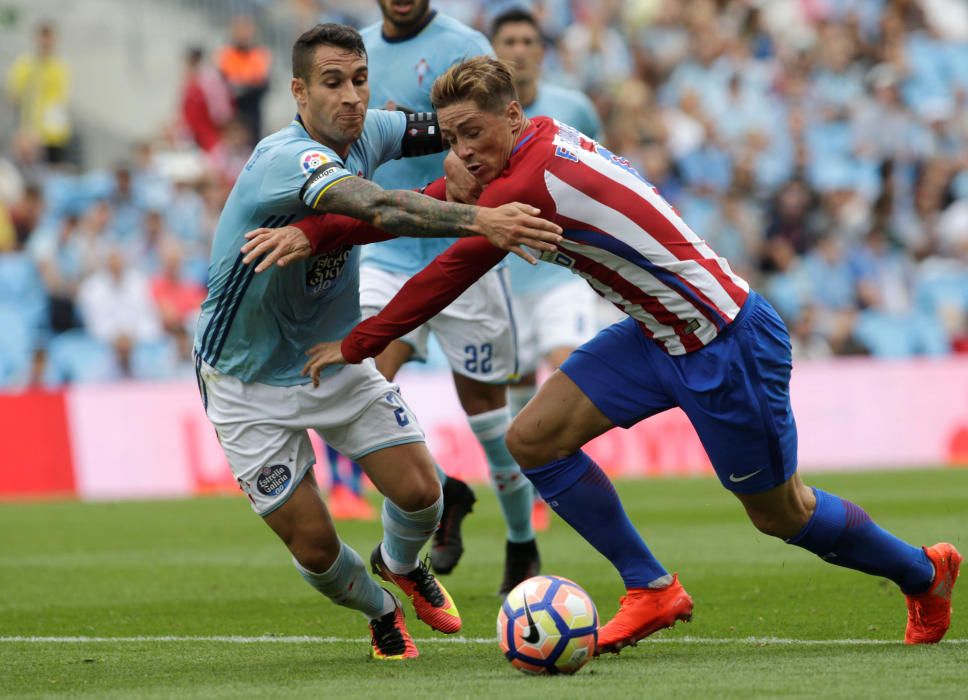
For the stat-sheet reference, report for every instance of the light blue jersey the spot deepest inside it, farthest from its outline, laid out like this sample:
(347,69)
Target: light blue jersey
(573,108)
(403,71)
(257,327)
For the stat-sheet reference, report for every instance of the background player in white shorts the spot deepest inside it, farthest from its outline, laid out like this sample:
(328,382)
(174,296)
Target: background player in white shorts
(554,311)
(253,330)
(408,50)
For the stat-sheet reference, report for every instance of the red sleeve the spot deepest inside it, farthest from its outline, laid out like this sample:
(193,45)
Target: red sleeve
(432,289)
(426,294)
(330,231)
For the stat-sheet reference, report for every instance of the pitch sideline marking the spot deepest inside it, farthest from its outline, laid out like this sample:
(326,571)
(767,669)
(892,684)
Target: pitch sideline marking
(759,641)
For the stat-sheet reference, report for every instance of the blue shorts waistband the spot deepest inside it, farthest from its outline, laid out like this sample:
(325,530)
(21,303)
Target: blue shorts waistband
(744,311)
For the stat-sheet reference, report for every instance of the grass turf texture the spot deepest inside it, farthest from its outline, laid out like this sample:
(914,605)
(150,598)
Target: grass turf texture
(207,567)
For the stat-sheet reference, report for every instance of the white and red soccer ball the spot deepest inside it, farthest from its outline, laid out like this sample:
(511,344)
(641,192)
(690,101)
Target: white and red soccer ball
(548,624)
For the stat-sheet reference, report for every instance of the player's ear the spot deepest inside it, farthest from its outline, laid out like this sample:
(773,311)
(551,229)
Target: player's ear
(515,114)
(298,89)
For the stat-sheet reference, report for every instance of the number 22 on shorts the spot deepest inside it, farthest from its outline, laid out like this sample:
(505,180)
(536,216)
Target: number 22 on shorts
(478,359)
(399,410)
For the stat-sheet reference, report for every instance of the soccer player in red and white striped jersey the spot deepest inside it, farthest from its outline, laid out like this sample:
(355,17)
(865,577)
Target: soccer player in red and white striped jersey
(695,337)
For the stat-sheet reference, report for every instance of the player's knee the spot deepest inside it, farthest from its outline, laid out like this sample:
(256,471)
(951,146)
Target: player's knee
(422,492)
(528,444)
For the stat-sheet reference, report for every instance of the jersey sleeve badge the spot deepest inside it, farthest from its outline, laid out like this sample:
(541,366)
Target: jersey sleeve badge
(311,160)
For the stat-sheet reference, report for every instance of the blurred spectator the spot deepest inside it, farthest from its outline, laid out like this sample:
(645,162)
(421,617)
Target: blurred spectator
(25,213)
(245,67)
(23,310)
(233,151)
(889,325)
(178,298)
(116,307)
(790,223)
(39,87)
(206,104)
(63,261)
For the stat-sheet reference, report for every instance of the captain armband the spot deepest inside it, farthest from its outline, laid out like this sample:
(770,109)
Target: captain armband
(422,136)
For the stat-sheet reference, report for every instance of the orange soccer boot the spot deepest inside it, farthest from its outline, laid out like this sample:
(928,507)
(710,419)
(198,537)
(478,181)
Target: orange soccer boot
(389,638)
(643,611)
(344,504)
(430,599)
(929,613)
(540,516)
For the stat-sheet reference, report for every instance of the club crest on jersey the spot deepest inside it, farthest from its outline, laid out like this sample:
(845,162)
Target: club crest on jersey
(422,68)
(310,160)
(273,480)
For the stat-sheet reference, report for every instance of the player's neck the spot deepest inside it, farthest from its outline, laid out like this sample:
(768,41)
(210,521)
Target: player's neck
(393,32)
(340,149)
(527,93)
(516,135)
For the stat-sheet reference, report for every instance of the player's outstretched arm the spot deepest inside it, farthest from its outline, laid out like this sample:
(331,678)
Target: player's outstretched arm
(406,213)
(321,356)
(420,299)
(315,234)
(310,236)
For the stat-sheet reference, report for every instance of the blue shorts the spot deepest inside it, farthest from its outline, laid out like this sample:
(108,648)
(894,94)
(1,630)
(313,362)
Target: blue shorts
(735,391)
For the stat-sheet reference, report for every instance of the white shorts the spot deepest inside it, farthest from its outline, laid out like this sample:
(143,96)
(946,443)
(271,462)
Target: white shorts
(561,317)
(263,428)
(477,331)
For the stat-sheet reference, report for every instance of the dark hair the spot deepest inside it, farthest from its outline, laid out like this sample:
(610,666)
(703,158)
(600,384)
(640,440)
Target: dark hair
(329,34)
(194,55)
(515,15)
(483,80)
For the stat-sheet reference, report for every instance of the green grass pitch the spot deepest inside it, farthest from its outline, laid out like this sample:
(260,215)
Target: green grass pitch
(202,602)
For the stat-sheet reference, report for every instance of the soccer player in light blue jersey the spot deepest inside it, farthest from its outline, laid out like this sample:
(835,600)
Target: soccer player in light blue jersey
(554,310)
(408,50)
(254,329)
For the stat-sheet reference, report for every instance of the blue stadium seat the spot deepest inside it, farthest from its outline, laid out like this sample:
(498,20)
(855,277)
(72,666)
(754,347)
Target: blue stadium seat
(76,357)
(16,344)
(155,360)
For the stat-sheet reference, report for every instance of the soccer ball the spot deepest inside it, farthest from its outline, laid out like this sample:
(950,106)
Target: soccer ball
(548,624)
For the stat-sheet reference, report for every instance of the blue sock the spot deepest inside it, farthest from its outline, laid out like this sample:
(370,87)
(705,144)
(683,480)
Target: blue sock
(842,533)
(579,491)
(513,490)
(405,532)
(356,478)
(334,476)
(348,584)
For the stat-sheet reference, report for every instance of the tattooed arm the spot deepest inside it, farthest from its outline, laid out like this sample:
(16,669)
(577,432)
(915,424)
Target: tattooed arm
(510,227)
(407,213)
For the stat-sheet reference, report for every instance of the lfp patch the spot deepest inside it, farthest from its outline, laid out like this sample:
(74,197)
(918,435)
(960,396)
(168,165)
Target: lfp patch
(310,160)
(273,480)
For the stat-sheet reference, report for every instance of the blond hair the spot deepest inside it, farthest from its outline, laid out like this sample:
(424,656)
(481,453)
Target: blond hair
(483,80)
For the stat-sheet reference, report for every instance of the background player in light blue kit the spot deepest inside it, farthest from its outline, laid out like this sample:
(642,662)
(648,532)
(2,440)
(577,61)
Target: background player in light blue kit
(554,311)
(253,331)
(408,50)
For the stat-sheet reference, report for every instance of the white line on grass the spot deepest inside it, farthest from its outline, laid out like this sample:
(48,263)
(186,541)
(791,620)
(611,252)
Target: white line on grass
(267,639)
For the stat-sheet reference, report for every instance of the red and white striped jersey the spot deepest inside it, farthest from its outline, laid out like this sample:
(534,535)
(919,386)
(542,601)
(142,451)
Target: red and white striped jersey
(620,235)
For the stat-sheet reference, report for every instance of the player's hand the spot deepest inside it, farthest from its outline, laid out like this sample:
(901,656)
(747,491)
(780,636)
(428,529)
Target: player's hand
(461,185)
(512,226)
(322,356)
(280,246)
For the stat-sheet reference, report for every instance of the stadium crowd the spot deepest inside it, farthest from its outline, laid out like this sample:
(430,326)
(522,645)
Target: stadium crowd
(819,145)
